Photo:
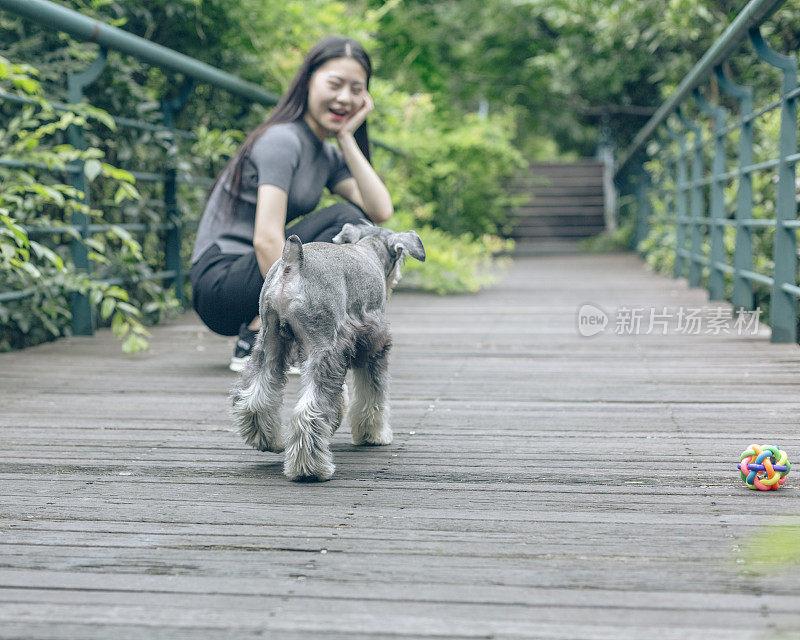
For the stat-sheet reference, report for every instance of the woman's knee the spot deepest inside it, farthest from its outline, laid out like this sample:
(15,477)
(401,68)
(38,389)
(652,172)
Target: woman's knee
(324,224)
(345,213)
(348,212)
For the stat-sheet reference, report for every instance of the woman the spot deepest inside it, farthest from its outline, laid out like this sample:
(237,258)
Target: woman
(277,175)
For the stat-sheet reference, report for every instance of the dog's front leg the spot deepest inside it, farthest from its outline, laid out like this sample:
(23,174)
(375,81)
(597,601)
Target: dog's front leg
(258,396)
(308,455)
(369,411)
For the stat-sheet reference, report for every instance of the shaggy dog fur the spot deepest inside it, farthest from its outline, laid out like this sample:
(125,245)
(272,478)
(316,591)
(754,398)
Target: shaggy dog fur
(329,301)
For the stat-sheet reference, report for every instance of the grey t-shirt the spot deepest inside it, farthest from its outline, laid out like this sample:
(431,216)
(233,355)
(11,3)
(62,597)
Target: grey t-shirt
(288,156)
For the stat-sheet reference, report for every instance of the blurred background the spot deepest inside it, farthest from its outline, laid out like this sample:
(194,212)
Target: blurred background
(468,94)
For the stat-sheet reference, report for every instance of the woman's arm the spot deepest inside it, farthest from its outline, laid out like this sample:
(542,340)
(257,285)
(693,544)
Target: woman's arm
(268,239)
(365,189)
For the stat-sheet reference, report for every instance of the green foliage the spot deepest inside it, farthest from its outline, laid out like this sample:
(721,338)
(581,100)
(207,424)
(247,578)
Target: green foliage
(453,264)
(772,549)
(608,241)
(455,168)
(567,64)
(448,186)
(32,198)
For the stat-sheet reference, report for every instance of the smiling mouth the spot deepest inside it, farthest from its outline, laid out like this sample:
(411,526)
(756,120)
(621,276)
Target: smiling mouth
(337,114)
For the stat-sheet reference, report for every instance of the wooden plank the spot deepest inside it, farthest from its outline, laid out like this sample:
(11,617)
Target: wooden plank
(551,219)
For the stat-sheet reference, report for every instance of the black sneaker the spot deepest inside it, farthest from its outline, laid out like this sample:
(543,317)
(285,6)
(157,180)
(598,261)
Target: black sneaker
(243,349)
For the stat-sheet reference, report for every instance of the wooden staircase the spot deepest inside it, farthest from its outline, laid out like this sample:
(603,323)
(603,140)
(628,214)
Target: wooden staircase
(565,206)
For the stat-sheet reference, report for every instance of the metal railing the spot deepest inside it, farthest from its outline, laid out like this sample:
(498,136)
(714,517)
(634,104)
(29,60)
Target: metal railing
(690,187)
(81,27)
(108,38)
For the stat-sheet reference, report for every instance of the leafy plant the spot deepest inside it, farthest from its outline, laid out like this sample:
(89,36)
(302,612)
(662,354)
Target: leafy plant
(455,167)
(33,202)
(772,549)
(453,264)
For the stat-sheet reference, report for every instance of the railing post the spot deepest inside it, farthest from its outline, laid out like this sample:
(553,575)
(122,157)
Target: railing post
(623,187)
(643,208)
(716,276)
(605,153)
(783,305)
(695,203)
(172,249)
(743,252)
(82,324)
(680,200)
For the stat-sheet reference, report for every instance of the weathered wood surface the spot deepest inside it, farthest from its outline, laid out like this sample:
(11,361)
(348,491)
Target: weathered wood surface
(541,484)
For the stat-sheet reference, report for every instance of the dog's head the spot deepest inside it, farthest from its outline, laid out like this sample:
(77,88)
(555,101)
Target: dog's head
(395,246)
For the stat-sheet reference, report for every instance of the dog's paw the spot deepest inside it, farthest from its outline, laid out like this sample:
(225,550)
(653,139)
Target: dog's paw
(308,470)
(260,436)
(307,460)
(373,437)
(260,442)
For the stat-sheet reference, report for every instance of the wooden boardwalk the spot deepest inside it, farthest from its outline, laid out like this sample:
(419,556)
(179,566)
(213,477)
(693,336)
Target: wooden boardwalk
(541,484)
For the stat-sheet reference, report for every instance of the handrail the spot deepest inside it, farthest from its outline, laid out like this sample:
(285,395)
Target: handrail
(704,225)
(753,14)
(84,28)
(91,30)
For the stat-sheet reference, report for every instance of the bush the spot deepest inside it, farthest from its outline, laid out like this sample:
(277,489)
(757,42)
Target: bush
(453,264)
(456,166)
(449,186)
(32,198)
(608,241)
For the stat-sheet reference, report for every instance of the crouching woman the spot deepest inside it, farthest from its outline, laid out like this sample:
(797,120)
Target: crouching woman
(277,175)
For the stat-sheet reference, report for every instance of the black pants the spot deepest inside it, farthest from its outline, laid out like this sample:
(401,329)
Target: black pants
(226,286)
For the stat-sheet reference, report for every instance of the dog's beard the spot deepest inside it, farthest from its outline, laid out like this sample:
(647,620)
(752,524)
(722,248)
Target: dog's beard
(394,277)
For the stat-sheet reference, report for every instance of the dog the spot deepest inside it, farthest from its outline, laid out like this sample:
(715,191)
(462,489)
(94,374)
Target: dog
(330,301)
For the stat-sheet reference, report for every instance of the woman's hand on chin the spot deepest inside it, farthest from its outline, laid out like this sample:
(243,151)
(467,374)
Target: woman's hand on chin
(350,125)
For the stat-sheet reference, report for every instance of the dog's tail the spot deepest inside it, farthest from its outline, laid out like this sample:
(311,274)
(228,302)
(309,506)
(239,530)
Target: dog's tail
(292,253)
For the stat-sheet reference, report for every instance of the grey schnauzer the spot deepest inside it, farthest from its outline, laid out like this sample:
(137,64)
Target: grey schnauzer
(329,300)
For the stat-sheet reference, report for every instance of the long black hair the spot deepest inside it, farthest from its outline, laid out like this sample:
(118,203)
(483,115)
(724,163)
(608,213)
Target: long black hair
(292,106)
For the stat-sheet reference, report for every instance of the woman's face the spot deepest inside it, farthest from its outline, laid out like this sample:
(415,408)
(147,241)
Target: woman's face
(336,91)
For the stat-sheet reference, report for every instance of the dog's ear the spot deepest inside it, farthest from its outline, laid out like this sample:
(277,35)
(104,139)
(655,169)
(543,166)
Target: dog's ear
(407,242)
(351,233)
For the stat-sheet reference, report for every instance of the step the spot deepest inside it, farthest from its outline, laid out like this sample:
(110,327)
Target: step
(565,209)
(555,221)
(566,201)
(539,200)
(560,190)
(538,197)
(580,162)
(564,181)
(566,169)
(558,232)
(546,247)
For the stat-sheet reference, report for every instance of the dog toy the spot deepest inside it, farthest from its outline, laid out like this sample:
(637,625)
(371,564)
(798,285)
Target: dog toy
(764,467)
